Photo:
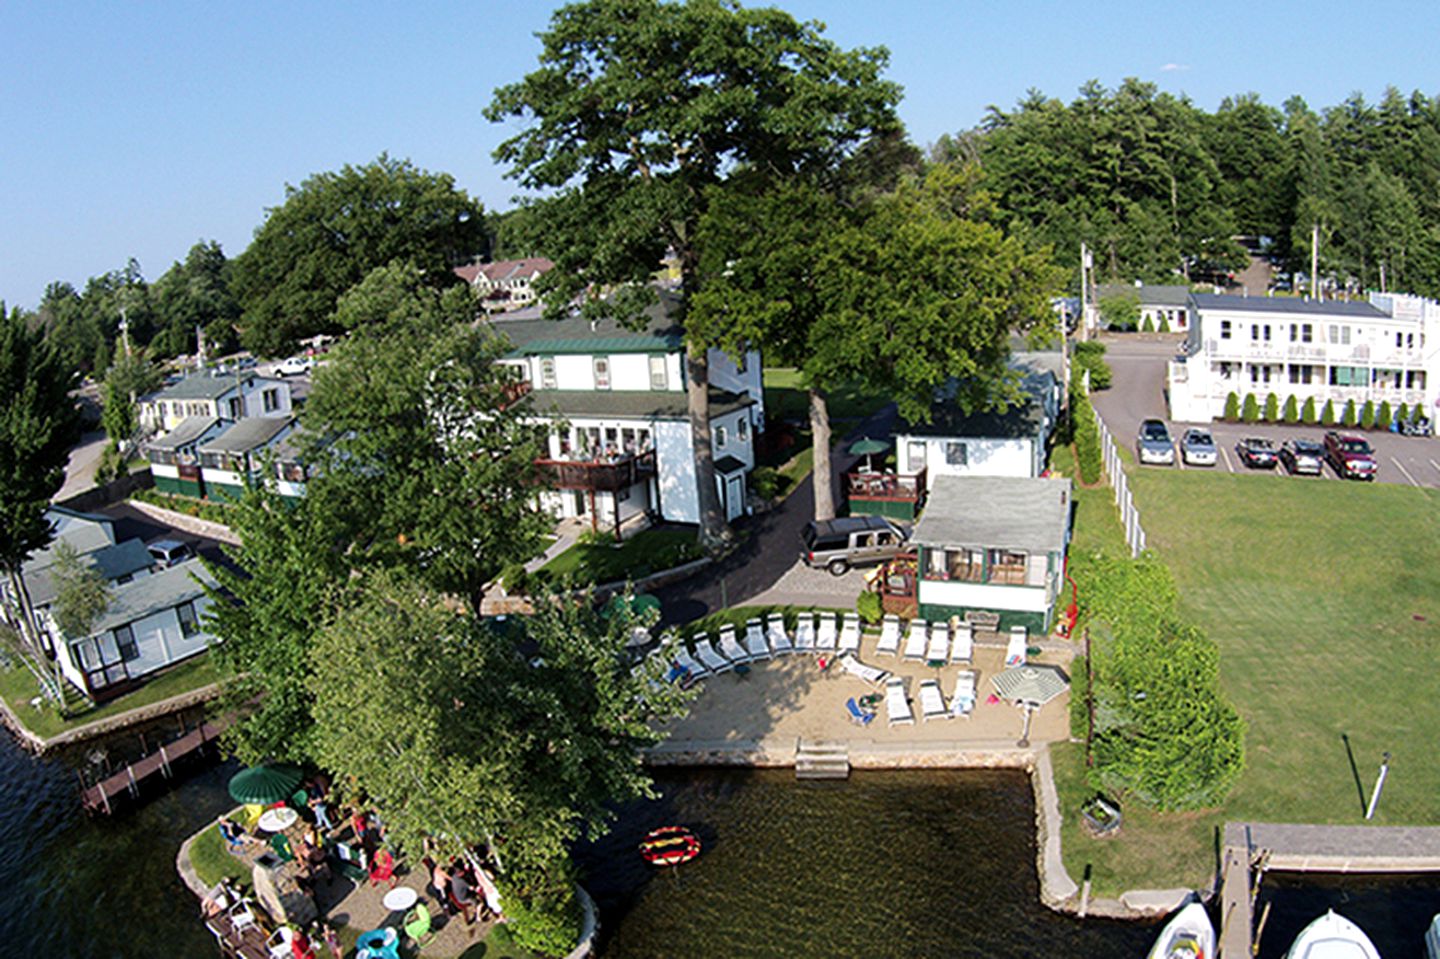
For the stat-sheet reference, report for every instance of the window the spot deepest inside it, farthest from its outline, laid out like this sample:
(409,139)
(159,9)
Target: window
(1339,335)
(188,625)
(125,642)
(659,376)
(1306,333)
(602,372)
(270,399)
(1224,329)
(967,565)
(235,408)
(720,437)
(547,372)
(1007,567)
(955,453)
(915,455)
(742,429)
(1254,331)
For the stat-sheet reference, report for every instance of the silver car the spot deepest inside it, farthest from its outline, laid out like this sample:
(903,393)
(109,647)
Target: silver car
(1153,444)
(1197,448)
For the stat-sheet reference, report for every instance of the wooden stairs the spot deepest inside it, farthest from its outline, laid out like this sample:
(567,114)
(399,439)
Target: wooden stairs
(821,759)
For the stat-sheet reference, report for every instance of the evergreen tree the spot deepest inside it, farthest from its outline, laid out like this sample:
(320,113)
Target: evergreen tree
(1402,415)
(1272,408)
(1327,417)
(1349,419)
(1307,412)
(1367,415)
(1292,409)
(1251,410)
(1232,407)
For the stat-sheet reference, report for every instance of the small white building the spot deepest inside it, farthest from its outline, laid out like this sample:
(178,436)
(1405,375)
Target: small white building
(621,443)
(232,460)
(994,545)
(213,396)
(1386,349)
(1162,307)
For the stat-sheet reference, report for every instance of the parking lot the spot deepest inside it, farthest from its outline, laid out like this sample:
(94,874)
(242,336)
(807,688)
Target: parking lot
(1138,392)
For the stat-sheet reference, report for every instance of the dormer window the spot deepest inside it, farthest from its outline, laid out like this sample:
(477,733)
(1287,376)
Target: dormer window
(659,376)
(602,372)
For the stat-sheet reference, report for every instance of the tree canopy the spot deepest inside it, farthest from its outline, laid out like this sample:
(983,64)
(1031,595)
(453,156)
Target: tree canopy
(334,229)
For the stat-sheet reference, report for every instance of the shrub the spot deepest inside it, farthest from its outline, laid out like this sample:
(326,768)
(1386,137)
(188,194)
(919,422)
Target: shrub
(1164,323)
(869,608)
(1384,416)
(1272,408)
(1089,348)
(1307,412)
(765,481)
(516,579)
(1146,324)
(1292,410)
(1327,416)
(1250,412)
(1087,438)
(1417,412)
(1402,415)
(545,920)
(111,463)
(1349,419)
(1089,356)
(1232,407)
(1367,415)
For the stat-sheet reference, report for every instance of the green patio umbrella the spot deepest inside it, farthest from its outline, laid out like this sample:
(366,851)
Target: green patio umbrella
(640,604)
(868,447)
(267,783)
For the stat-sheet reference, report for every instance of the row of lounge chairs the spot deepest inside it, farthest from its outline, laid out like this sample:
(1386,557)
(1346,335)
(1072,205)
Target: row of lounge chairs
(932,701)
(928,642)
(761,641)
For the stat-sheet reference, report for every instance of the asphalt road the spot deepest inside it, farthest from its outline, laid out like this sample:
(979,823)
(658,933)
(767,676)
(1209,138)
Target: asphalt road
(1137,392)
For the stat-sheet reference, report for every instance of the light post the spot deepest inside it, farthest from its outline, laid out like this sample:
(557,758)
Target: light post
(1379,785)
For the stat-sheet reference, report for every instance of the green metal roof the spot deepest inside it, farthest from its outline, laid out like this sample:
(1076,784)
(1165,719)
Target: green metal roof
(190,431)
(532,335)
(636,404)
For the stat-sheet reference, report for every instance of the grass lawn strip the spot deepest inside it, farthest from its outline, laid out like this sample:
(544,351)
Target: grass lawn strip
(648,551)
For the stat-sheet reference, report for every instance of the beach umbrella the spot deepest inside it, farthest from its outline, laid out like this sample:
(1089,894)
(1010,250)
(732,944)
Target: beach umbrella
(867,448)
(1033,684)
(267,783)
(641,604)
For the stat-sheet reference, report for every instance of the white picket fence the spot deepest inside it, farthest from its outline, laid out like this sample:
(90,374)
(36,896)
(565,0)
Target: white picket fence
(1124,501)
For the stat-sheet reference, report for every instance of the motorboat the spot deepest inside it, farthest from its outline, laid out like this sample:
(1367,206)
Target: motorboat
(1432,939)
(1332,936)
(1188,935)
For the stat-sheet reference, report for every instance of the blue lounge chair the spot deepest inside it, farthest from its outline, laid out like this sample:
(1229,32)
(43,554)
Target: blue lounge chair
(860,717)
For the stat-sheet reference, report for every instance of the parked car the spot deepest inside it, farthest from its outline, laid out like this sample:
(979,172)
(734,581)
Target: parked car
(168,552)
(1350,456)
(295,366)
(1154,445)
(1257,453)
(838,544)
(1302,457)
(1418,427)
(1197,448)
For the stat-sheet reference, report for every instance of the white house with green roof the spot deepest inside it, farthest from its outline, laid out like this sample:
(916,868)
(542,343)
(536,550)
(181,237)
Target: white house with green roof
(212,396)
(621,443)
(234,458)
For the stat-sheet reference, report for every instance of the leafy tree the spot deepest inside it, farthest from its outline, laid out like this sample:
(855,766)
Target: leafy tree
(1307,412)
(424,460)
(1327,416)
(639,115)
(40,425)
(1272,408)
(82,594)
(1232,407)
(333,230)
(1121,311)
(1292,409)
(129,377)
(196,294)
(1250,412)
(1349,418)
(1367,415)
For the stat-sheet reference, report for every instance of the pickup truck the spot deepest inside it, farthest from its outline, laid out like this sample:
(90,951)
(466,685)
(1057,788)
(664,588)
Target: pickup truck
(1350,456)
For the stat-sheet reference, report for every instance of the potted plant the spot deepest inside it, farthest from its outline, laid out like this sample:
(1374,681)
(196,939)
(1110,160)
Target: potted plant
(1101,816)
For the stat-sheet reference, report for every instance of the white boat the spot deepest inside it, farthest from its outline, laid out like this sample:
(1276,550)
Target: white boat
(1332,936)
(1188,935)
(1432,939)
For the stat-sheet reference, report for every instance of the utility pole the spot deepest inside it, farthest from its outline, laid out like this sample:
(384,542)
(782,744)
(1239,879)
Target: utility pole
(1315,260)
(1086,262)
(125,330)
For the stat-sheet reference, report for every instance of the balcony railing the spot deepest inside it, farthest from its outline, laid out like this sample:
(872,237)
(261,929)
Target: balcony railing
(885,487)
(597,475)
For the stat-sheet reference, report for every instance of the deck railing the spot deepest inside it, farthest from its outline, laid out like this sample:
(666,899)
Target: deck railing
(597,475)
(888,487)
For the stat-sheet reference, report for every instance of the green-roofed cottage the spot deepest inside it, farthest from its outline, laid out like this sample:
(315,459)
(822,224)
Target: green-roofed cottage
(233,459)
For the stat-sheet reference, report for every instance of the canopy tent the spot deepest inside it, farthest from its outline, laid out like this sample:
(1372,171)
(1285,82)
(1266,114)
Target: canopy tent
(267,783)
(1033,684)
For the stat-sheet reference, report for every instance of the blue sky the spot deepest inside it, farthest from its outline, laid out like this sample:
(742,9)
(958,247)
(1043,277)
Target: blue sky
(138,129)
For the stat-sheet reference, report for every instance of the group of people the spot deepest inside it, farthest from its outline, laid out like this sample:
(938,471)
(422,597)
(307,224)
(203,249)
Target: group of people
(458,887)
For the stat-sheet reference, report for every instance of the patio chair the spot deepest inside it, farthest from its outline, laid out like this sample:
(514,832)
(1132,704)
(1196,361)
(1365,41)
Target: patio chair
(825,633)
(889,644)
(962,644)
(417,925)
(932,703)
(685,668)
(963,703)
(863,671)
(805,633)
(730,647)
(281,847)
(776,634)
(897,707)
(712,660)
(938,649)
(1015,648)
(755,641)
(850,634)
(915,639)
(858,716)
(278,945)
(242,916)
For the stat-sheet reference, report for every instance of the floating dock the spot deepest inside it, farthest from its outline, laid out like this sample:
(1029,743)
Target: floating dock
(127,782)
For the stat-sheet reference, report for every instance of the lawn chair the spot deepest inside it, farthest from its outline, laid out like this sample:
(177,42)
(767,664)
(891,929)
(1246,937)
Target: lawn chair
(858,716)
(850,634)
(932,703)
(712,660)
(775,633)
(281,847)
(915,639)
(1015,648)
(889,644)
(730,647)
(417,925)
(863,671)
(897,707)
(242,916)
(825,635)
(683,666)
(962,645)
(755,641)
(938,649)
(963,704)
(278,945)
(805,633)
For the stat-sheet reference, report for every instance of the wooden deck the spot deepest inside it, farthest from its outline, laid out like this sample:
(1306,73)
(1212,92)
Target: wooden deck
(97,798)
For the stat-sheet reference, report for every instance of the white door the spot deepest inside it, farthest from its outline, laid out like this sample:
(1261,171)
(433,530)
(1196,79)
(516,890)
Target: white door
(734,496)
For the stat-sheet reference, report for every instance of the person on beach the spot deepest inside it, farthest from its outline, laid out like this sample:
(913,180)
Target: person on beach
(332,941)
(319,804)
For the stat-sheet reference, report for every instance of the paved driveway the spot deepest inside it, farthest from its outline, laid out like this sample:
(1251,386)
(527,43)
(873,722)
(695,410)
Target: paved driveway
(1138,392)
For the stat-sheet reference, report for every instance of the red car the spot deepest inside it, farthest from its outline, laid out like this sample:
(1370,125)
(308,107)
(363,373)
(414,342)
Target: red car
(1350,456)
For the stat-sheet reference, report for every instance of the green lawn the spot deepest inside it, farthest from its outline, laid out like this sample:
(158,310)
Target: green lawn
(1323,598)
(648,551)
(786,399)
(19,687)
(212,860)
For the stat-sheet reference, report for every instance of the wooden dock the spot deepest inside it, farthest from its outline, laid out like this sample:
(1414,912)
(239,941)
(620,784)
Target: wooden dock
(97,798)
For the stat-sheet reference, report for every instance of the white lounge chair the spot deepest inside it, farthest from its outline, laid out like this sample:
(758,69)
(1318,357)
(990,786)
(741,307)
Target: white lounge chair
(897,707)
(683,666)
(850,634)
(932,704)
(775,633)
(826,634)
(963,703)
(755,641)
(730,647)
(916,638)
(962,643)
(1015,648)
(712,660)
(869,674)
(805,633)
(937,650)
(889,644)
